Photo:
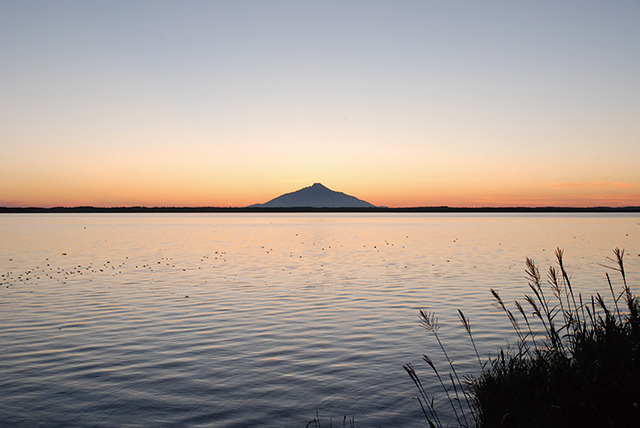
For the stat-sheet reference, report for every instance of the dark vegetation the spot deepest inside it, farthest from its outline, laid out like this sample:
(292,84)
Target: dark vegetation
(441,209)
(576,362)
(346,423)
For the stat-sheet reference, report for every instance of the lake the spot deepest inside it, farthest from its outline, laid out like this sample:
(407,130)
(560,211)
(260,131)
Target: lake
(238,320)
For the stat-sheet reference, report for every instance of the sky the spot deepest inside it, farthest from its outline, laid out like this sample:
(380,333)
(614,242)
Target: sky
(399,103)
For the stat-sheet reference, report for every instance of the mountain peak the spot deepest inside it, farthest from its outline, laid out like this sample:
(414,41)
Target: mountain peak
(315,196)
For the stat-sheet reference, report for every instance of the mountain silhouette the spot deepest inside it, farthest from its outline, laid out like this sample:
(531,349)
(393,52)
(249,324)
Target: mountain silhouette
(316,196)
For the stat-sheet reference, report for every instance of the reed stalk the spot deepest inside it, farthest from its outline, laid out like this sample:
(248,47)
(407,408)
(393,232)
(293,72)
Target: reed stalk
(582,368)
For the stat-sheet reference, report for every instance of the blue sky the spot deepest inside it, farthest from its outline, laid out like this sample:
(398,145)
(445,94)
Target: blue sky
(399,103)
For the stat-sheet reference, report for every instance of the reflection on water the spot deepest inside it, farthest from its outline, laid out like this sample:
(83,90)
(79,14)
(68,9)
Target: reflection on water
(260,319)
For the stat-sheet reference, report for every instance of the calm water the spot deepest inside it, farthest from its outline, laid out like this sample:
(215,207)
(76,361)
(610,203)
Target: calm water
(260,319)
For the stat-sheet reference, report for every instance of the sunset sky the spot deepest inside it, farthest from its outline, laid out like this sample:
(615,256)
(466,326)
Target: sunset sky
(399,103)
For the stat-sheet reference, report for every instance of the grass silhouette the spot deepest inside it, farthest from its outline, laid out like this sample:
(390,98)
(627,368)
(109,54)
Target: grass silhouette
(315,423)
(576,361)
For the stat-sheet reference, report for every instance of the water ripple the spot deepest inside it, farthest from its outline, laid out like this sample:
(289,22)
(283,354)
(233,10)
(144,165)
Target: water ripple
(257,320)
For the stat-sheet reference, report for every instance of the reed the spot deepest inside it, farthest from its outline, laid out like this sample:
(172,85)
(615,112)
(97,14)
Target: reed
(576,361)
(315,423)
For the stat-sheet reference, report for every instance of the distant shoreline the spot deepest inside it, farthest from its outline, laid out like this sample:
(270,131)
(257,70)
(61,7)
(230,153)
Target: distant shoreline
(440,209)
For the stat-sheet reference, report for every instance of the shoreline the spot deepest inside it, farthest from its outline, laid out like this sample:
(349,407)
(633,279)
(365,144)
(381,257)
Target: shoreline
(437,209)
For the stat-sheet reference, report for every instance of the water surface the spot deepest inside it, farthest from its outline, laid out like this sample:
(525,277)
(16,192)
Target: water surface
(235,320)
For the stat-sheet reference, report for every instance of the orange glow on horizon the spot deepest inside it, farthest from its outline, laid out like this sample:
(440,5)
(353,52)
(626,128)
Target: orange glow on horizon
(574,195)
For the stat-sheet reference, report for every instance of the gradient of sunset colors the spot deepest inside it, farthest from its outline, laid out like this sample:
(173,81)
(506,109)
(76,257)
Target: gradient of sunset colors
(399,103)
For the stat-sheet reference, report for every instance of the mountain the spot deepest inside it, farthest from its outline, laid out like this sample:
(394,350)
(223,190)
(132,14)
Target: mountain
(316,196)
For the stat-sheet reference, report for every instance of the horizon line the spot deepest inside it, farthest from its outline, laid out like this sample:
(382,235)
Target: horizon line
(434,208)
